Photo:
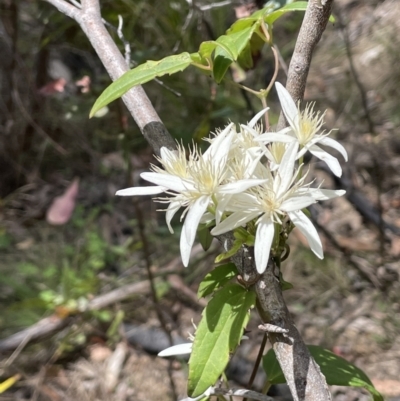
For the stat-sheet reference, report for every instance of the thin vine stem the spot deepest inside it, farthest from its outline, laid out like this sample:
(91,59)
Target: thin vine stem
(257,362)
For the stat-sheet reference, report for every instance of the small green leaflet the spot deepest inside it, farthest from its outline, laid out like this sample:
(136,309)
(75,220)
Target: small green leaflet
(336,370)
(216,279)
(217,335)
(140,75)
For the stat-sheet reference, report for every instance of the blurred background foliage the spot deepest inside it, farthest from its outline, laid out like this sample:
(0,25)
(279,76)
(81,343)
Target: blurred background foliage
(50,78)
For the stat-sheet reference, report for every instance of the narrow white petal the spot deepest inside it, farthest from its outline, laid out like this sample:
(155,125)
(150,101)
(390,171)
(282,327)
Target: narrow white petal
(255,119)
(181,349)
(244,202)
(335,145)
(189,228)
(240,186)
(303,223)
(262,246)
(331,161)
(173,207)
(167,154)
(215,149)
(134,191)
(223,201)
(235,220)
(288,105)
(276,137)
(325,194)
(251,130)
(297,203)
(286,169)
(221,154)
(171,182)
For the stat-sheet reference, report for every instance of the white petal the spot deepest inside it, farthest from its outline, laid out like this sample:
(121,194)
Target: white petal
(251,130)
(167,154)
(297,203)
(255,119)
(141,191)
(276,137)
(235,220)
(331,161)
(288,105)
(181,349)
(303,223)
(189,228)
(173,207)
(169,181)
(335,145)
(286,169)
(262,246)
(240,186)
(223,201)
(325,194)
(216,150)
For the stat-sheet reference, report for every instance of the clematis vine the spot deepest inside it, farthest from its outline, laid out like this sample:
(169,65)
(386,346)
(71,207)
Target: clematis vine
(246,179)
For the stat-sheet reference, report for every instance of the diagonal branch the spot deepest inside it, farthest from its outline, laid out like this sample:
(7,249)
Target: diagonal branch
(136,100)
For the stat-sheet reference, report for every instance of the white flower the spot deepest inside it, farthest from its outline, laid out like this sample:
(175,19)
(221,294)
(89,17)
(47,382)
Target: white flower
(180,349)
(271,202)
(305,128)
(195,184)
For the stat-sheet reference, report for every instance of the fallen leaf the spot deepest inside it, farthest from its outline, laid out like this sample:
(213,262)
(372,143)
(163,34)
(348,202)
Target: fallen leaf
(60,211)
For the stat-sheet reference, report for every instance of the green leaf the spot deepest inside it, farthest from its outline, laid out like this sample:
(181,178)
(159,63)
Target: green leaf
(296,6)
(337,371)
(222,61)
(216,279)
(204,236)
(218,334)
(140,75)
(206,49)
(236,42)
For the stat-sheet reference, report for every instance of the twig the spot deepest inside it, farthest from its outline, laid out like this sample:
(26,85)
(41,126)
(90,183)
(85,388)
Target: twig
(127,46)
(257,362)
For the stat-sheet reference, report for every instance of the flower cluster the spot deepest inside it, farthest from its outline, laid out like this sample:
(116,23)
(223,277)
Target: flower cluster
(246,178)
